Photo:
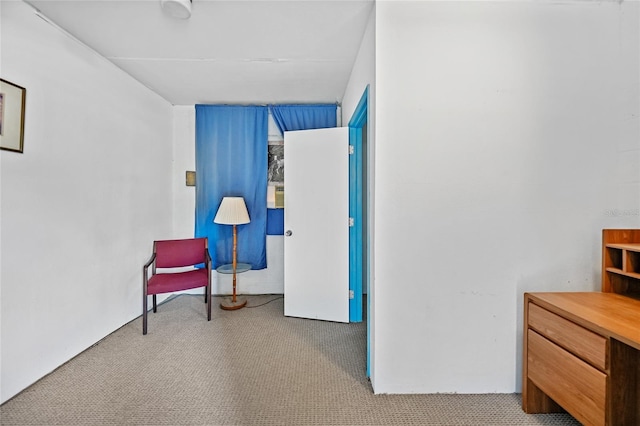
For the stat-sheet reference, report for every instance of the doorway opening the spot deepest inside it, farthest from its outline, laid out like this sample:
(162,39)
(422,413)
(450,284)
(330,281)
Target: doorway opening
(358,215)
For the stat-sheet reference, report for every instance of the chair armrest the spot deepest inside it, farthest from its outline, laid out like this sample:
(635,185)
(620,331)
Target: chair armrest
(146,265)
(207,258)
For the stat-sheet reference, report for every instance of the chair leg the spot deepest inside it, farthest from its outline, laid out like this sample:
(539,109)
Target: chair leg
(205,295)
(144,314)
(208,292)
(155,307)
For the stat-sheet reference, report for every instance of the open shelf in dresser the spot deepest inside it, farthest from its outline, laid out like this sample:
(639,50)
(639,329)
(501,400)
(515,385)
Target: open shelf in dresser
(621,262)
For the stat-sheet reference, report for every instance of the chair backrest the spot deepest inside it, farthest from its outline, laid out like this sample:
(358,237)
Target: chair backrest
(176,253)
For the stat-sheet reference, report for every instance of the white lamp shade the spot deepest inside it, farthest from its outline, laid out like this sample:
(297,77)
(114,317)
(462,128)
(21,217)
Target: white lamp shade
(180,9)
(232,211)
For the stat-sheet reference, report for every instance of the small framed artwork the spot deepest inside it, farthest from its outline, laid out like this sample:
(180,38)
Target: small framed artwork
(12,103)
(276,163)
(190,178)
(275,175)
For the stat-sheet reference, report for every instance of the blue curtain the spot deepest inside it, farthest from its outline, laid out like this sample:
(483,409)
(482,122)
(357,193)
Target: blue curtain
(298,117)
(303,117)
(231,160)
(275,221)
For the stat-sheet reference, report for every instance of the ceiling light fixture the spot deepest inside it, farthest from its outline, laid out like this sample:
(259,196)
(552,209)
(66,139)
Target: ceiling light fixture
(180,9)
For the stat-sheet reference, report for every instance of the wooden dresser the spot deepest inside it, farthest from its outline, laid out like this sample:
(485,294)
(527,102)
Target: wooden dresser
(581,351)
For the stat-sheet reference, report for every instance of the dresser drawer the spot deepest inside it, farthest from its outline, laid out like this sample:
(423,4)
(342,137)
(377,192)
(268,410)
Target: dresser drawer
(584,343)
(575,385)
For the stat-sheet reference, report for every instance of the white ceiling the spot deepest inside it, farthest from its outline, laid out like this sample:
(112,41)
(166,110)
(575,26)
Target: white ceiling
(229,51)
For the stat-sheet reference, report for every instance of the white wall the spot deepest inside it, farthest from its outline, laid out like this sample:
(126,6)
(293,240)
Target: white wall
(81,205)
(506,135)
(362,73)
(363,76)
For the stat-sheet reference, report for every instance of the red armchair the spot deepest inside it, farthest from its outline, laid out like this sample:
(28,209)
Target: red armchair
(169,254)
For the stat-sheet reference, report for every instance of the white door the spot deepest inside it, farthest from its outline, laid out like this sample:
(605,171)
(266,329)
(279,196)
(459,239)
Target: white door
(316,223)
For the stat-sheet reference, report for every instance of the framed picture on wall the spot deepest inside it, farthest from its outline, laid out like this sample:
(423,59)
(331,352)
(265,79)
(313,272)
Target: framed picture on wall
(275,174)
(12,103)
(276,163)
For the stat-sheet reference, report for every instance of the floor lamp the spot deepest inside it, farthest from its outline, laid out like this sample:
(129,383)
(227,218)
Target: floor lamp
(233,211)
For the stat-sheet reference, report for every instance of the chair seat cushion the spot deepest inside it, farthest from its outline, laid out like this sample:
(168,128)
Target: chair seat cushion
(176,281)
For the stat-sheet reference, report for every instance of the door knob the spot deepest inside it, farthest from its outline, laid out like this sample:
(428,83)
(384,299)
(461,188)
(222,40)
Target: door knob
(288,233)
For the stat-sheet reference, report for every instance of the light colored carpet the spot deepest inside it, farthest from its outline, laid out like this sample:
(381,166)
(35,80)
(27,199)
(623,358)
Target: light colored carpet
(247,367)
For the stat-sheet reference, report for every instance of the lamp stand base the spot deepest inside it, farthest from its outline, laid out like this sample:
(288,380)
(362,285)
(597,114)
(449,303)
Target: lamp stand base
(230,305)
